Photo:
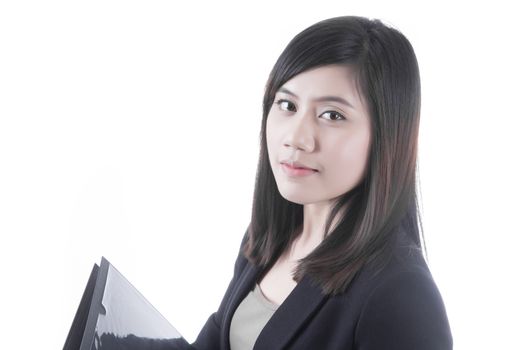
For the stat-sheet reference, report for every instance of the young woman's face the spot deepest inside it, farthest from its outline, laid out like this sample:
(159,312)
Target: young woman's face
(328,135)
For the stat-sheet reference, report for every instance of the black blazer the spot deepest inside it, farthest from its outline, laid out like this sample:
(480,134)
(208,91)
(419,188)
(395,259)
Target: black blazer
(398,307)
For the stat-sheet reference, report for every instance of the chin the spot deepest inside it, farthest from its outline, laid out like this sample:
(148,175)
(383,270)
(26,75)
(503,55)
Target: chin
(297,197)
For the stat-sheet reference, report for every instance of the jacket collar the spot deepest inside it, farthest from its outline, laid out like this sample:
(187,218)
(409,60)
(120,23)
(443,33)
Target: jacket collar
(287,320)
(291,315)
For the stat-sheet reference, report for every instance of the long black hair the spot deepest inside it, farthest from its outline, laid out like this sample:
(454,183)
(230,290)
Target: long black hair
(387,77)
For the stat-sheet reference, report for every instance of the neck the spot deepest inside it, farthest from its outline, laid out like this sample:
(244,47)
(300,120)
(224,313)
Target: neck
(311,232)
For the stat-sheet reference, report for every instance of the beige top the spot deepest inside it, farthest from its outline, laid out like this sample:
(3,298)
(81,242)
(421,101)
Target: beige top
(249,319)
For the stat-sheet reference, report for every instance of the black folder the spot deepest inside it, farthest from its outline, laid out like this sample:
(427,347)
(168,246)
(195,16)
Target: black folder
(112,314)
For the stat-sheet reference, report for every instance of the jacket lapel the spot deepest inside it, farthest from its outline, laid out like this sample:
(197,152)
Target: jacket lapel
(243,287)
(291,315)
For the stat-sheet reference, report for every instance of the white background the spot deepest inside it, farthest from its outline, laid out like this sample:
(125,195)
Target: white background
(131,130)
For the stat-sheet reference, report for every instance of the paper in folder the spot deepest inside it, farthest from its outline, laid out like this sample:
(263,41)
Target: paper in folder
(114,315)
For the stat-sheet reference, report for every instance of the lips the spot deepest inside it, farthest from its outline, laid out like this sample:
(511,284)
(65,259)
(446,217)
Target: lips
(297,165)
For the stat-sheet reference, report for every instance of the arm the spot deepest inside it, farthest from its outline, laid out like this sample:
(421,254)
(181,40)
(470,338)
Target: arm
(404,312)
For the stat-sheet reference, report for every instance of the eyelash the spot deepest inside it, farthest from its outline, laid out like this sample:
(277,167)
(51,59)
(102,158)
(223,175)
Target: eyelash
(278,103)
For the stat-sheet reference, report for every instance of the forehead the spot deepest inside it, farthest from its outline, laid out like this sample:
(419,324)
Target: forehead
(337,80)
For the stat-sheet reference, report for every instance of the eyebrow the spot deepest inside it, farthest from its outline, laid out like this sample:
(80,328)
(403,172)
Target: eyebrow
(320,99)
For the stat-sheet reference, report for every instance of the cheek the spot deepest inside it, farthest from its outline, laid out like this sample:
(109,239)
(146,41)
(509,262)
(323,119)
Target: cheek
(355,152)
(349,156)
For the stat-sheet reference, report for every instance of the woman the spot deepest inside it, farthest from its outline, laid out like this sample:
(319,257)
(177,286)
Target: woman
(332,258)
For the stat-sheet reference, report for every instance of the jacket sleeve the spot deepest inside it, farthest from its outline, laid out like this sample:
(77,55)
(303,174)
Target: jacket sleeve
(209,336)
(404,312)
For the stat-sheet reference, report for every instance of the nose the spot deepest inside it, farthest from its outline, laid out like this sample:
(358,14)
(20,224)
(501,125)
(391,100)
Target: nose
(301,132)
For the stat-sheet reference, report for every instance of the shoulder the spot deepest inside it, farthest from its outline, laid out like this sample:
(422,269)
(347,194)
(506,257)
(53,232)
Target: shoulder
(241,260)
(402,307)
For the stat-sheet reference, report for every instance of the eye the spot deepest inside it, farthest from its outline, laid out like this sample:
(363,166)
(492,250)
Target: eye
(330,113)
(278,103)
